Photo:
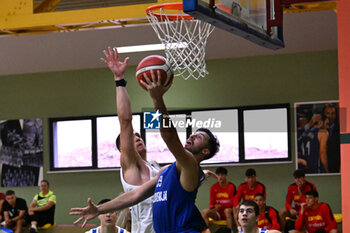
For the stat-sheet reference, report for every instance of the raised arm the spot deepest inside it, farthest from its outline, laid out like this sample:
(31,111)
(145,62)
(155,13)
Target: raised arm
(185,161)
(122,201)
(129,156)
(299,223)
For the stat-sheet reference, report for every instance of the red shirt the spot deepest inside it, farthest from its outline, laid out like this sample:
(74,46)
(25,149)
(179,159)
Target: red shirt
(246,193)
(222,195)
(321,217)
(293,195)
(263,221)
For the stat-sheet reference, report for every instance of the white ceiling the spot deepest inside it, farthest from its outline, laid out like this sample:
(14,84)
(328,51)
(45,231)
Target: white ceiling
(311,31)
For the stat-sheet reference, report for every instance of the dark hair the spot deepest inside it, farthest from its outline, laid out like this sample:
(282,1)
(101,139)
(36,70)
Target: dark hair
(250,203)
(250,172)
(213,143)
(221,170)
(313,193)
(47,182)
(223,230)
(103,201)
(321,230)
(259,195)
(117,142)
(299,173)
(10,192)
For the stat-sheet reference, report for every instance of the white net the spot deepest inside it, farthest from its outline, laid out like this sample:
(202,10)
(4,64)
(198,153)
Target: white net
(184,42)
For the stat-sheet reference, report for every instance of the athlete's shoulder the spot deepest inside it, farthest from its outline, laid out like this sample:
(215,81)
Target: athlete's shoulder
(231,185)
(292,185)
(310,185)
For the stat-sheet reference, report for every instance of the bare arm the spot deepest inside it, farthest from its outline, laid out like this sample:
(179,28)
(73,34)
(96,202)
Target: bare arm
(48,205)
(20,216)
(322,138)
(32,205)
(123,201)
(129,156)
(209,173)
(185,161)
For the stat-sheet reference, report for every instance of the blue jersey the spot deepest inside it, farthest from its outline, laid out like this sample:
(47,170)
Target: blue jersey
(174,208)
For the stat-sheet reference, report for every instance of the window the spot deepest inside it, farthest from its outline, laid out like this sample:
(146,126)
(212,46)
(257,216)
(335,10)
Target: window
(224,125)
(265,134)
(108,129)
(73,144)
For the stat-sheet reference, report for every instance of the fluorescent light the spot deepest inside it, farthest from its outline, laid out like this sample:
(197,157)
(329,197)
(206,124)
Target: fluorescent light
(150,47)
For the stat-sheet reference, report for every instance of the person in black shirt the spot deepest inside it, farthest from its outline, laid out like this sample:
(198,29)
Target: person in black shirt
(15,212)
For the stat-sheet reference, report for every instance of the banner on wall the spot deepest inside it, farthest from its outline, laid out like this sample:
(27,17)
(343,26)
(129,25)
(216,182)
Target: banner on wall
(318,137)
(21,152)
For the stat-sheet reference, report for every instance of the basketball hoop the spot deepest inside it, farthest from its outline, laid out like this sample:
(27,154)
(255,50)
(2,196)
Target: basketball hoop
(183,36)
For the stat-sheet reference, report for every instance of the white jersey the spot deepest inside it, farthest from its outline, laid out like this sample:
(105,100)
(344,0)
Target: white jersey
(97,230)
(141,214)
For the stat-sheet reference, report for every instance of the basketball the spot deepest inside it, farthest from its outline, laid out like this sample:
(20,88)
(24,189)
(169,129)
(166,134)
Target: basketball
(154,62)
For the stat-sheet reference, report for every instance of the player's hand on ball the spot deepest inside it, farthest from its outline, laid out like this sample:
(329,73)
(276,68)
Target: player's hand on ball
(154,85)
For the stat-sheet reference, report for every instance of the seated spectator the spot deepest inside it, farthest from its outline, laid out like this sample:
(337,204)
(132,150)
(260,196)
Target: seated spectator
(247,190)
(42,209)
(315,216)
(15,211)
(2,199)
(248,213)
(221,199)
(268,216)
(296,193)
(107,222)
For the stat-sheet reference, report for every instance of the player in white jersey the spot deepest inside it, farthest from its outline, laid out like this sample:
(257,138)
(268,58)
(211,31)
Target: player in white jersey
(140,213)
(136,170)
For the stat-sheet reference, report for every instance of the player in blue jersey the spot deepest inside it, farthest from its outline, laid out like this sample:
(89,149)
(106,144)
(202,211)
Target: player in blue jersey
(175,187)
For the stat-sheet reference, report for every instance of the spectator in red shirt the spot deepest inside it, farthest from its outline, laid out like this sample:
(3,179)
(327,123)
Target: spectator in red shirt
(2,199)
(268,216)
(221,199)
(314,216)
(296,193)
(247,190)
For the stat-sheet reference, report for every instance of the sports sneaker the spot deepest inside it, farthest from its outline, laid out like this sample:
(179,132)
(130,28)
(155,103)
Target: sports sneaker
(33,230)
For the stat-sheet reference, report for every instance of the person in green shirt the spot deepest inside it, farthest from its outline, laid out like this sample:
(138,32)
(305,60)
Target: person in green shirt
(42,209)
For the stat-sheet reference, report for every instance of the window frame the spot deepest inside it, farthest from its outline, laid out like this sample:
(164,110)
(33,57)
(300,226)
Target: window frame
(188,112)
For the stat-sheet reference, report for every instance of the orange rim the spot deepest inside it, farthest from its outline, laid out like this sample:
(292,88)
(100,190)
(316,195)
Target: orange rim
(169,6)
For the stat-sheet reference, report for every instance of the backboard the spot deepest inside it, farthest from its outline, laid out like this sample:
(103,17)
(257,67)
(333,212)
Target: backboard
(259,21)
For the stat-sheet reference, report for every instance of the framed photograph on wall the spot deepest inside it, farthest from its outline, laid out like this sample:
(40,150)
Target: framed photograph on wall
(318,137)
(21,152)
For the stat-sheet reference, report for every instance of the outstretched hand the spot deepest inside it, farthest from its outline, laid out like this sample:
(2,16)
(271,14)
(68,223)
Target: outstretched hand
(115,65)
(209,173)
(154,84)
(87,213)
